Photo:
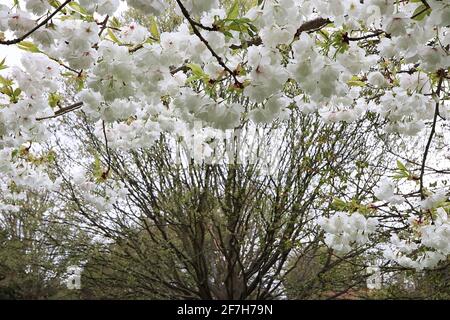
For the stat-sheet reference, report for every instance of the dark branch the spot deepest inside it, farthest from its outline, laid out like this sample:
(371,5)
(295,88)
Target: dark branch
(312,25)
(346,38)
(62,111)
(103,25)
(199,35)
(105,174)
(433,129)
(21,38)
(305,27)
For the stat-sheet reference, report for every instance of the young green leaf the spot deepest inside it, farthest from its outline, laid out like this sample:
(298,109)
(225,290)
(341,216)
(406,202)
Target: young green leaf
(233,12)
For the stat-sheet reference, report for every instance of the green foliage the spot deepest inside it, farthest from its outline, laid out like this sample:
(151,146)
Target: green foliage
(421,12)
(28,46)
(197,73)
(54,99)
(8,89)
(113,37)
(154,30)
(2,64)
(34,250)
(79,9)
(100,174)
(356,82)
(403,173)
(351,206)
(233,11)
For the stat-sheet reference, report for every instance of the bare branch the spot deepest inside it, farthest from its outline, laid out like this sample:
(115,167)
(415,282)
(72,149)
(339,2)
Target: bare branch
(62,111)
(433,128)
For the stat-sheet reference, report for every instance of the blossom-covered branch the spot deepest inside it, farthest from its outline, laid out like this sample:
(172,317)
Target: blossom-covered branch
(41,24)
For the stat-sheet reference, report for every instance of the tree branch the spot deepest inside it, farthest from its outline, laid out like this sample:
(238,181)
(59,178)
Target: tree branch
(433,129)
(312,25)
(105,174)
(199,35)
(305,27)
(347,39)
(21,38)
(62,111)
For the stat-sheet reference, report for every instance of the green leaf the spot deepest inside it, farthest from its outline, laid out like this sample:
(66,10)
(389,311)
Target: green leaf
(401,166)
(79,83)
(113,37)
(79,9)
(2,64)
(97,169)
(5,81)
(339,204)
(51,156)
(356,82)
(154,28)
(228,34)
(115,23)
(192,79)
(28,46)
(402,172)
(196,69)
(420,12)
(53,99)
(252,27)
(14,153)
(233,12)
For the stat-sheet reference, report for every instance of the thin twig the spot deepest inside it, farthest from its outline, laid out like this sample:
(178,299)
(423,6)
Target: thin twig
(105,174)
(312,25)
(346,38)
(66,66)
(103,24)
(205,42)
(430,138)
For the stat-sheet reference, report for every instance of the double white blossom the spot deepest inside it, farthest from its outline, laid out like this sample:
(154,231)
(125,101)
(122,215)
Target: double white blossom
(343,230)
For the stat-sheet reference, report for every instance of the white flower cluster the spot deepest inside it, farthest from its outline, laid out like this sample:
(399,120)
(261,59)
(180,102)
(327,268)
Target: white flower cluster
(102,7)
(197,7)
(97,198)
(434,200)
(437,235)
(36,79)
(406,112)
(344,230)
(37,6)
(425,251)
(385,192)
(75,41)
(155,7)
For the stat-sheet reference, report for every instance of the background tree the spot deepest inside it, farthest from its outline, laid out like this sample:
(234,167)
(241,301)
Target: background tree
(220,230)
(36,248)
